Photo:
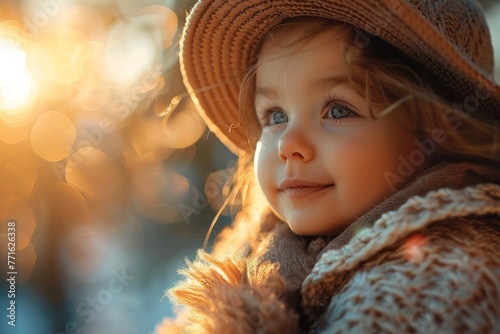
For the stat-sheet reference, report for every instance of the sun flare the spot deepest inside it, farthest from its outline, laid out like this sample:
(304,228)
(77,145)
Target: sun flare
(17,86)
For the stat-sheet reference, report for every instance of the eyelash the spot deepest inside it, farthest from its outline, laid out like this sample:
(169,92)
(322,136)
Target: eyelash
(333,102)
(264,120)
(329,103)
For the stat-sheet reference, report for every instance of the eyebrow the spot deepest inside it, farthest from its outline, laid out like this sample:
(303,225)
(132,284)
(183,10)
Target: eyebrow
(330,82)
(266,92)
(322,84)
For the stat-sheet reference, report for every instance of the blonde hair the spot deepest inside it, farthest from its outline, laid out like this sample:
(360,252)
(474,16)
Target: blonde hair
(391,82)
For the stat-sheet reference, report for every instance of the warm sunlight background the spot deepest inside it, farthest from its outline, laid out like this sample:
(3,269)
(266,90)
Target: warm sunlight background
(99,185)
(17,87)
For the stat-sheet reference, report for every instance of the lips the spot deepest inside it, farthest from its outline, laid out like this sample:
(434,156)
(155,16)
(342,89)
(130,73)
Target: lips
(296,188)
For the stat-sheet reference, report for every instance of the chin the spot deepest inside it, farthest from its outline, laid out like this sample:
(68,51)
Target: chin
(309,230)
(304,230)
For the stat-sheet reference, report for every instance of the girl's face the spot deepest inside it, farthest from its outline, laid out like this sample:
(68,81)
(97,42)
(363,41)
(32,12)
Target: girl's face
(321,160)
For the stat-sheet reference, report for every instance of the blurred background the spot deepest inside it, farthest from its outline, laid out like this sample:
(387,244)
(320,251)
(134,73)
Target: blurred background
(107,197)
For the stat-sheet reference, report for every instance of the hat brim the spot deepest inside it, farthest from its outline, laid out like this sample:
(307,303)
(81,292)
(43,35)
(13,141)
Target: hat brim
(221,38)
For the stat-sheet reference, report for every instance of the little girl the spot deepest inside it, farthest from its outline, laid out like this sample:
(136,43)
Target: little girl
(368,144)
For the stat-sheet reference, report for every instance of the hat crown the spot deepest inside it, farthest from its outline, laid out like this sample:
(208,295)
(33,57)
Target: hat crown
(462,22)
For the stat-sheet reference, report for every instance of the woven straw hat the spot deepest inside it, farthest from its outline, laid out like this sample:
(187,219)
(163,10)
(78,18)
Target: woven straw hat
(220,39)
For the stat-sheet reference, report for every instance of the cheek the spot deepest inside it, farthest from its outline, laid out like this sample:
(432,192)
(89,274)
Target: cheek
(354,161)
(263,163)
(364,157)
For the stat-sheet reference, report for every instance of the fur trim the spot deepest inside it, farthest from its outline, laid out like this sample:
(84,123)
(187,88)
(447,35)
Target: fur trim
(168,326)
(232,295)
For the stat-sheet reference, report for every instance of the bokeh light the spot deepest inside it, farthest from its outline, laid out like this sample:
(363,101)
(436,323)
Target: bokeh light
(85,20)
(18,211)
(159,192)
(184,127)
(52,136)
(217,189)
(13,134)
(65,57)
(148,143)
(85,162)
(92,100)
(18,173)
(67,205)
(83,250)
(163,21)
(130,50)
(17,87)
(91,171)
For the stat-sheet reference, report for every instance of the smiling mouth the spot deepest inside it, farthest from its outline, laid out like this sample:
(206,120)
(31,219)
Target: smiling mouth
(304,191)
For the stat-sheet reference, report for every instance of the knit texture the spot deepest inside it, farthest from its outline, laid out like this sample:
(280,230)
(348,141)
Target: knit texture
(418,257)
(425,260)
(442,279)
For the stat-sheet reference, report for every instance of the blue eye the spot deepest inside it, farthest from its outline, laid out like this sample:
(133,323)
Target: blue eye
(276,117)
(339,111)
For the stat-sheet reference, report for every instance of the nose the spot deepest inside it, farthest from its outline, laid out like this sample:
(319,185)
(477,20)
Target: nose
(295,143)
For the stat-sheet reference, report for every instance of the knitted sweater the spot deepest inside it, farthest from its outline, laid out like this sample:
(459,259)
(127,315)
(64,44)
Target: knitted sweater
(424,260)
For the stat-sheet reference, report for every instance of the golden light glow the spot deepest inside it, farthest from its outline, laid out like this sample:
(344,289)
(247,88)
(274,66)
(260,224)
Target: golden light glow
(17,86)
(159,192)
(163,20)
(85,20)
(148,141)
(52,136)
(130,51)
(66,204)
(66,55)
(158,187)
(15,209)
(184,127)
(12,135)
(18,173)
(92,101)
(91,171)
(216,189)
(77,86)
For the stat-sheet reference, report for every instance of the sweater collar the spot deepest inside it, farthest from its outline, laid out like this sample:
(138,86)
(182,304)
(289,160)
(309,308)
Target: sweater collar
(462,189)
